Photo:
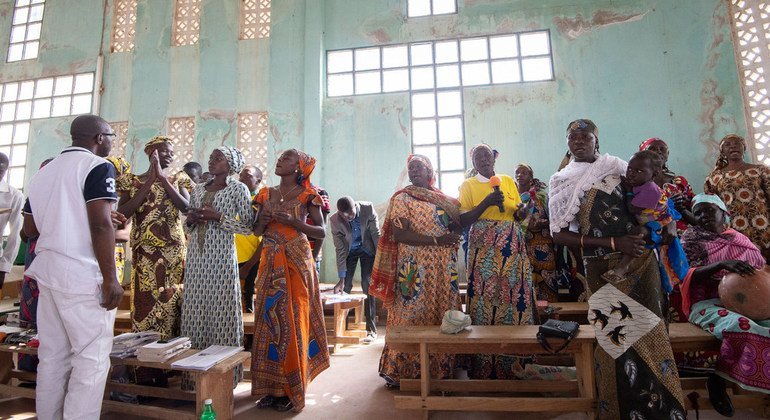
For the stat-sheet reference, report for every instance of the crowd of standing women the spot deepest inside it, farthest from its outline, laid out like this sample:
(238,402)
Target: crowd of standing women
(582,240)
(578,238)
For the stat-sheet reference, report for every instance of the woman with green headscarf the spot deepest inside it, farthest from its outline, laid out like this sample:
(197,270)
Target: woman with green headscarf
(211,304)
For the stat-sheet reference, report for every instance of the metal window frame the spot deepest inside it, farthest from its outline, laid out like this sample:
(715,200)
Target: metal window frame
(26,32)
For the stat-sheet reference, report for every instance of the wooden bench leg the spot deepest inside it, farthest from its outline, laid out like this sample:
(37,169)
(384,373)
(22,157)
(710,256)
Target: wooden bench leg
(584,365)
(339,324)
(6,366)
(218,387)
(424,378)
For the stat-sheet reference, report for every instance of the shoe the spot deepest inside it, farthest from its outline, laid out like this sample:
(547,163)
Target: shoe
(266,401)
(282,404)
(718,396)
(370,338)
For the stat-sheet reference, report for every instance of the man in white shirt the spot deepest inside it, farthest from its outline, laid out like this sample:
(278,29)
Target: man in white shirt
(11,202)
(69,204)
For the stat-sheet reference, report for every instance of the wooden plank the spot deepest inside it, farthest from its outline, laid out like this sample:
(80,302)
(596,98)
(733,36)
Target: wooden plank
(13,348)
(338,341)
(491,385)
(497,334)
(584,365)
(15,391)
(6,367)
(495,404)
(755,402)
(222,366)
(23,375)
(482,348)
(148,411)
(153,391)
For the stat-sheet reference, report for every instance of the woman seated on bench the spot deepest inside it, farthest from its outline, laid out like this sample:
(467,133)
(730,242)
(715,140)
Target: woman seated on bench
(713,249)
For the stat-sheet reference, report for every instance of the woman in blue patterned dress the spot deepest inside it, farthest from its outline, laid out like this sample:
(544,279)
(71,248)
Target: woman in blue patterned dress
(211,302)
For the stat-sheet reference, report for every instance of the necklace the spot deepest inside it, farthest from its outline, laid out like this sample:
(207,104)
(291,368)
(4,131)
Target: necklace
(282,195)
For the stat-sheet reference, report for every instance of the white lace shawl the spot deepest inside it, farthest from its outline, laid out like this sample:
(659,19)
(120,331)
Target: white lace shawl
(568,186)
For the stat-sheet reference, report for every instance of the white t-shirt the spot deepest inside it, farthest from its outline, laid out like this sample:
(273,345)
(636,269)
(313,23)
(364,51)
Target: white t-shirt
(57,197)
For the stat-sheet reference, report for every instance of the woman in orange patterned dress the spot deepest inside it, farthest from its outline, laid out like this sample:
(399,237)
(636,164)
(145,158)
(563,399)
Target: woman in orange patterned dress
(415,269)
(290,336)
(745,189)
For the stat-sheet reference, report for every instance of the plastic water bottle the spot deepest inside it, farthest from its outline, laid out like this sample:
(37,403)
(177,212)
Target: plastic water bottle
(208,411)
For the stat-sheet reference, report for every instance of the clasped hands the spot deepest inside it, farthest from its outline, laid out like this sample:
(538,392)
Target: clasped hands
(202,214)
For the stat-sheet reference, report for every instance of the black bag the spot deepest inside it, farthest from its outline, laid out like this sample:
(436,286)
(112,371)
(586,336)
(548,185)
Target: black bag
(554,328)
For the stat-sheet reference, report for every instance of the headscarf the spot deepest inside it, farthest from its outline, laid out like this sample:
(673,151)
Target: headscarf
(121,165)
(646,145)
(471,172)
(711,199)
(584,125)
(155,142)
(426,162)
(537,184)
(306,166)
(234,158)
(722,159)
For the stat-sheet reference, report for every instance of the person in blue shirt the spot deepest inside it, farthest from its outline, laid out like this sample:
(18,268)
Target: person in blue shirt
(356,232)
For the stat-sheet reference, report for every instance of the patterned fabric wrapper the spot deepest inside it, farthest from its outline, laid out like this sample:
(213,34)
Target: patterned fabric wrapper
(635,369)
(290,347)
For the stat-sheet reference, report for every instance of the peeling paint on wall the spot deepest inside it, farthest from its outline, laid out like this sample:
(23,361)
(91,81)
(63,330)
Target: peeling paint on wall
(572,28)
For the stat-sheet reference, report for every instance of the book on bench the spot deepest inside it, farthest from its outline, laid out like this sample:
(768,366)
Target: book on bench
(160,351)
(207,358)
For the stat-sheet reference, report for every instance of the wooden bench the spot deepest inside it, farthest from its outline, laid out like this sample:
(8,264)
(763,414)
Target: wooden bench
(688,337)
(215,383)
(338,331)
(493,340)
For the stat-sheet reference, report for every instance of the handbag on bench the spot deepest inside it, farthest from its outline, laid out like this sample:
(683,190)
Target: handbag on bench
(554,328)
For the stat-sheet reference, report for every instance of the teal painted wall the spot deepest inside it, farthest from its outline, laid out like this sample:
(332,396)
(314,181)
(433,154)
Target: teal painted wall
(638,68)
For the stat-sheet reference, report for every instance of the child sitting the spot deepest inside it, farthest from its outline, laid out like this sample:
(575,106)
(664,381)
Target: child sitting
(647,201)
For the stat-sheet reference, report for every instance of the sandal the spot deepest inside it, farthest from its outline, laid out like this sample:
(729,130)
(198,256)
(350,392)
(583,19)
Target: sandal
(266,401)
(282,404)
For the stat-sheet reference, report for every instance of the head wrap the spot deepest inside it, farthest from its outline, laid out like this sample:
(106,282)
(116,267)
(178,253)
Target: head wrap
(426,162)
(580,125)
(234,158)
(306,165)
(711,199)
(155,142)
(537,184)
(122,166)
(647,143)
(722,159)
(583,125)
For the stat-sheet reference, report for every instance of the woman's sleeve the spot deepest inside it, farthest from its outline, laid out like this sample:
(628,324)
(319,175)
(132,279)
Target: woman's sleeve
(125,185)
(466,197)
(709,187)
(238,216)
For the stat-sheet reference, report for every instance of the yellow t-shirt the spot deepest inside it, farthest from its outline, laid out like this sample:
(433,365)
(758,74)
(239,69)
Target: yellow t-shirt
(473,192)
(246,245)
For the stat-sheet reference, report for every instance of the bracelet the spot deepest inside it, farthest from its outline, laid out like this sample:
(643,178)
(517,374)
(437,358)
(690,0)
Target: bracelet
(434,240)
(612,242)
(581,240)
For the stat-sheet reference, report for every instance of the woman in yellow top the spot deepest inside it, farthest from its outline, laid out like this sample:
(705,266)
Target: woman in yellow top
(500,288)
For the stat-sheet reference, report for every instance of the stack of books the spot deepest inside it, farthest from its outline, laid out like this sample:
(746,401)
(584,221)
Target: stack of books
(125,345)
(207,358)
(160,351)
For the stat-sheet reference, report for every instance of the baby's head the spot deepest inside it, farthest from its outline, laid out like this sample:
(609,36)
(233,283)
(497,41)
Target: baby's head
(643,167)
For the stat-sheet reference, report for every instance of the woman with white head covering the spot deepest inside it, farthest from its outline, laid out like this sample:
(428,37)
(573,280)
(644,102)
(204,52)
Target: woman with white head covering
(211,305)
